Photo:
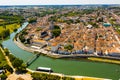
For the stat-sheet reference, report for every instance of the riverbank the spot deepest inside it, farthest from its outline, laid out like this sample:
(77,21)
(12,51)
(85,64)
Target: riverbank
(56,56)
(75,77)
(104,60)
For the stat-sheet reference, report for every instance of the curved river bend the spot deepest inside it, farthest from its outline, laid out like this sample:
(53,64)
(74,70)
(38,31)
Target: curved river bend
(68,67)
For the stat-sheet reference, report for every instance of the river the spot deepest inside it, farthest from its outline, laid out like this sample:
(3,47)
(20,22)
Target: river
(68,67)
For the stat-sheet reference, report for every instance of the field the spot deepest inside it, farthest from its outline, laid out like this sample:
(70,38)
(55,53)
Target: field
(11,27)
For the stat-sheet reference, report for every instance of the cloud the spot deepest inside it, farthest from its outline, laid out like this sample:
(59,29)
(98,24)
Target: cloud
(56,2)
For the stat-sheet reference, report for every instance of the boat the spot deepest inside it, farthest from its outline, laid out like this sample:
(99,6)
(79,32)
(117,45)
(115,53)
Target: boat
(44,69)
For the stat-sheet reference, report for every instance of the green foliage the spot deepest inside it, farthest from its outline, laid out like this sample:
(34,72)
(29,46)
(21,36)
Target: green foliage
(68,47)
(2,60)
(31,20)
(117,27)
(42,76)
(5,33)
(17,63)
(47,12)
(1,45)
(6,51)
(22,35)
(11,57)
(8,68)
(38,29)
(22,38)
(21,68)
(56,31)
(10,19)
(94,24)
(3,76)
(67,78)
(3,64)
(69,21)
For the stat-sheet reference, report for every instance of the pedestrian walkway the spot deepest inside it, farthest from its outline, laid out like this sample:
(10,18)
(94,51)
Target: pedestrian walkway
(7,59)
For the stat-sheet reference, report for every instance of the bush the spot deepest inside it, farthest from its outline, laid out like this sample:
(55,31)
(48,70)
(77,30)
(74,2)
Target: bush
(11,57)
(68,47)
(8,68)
(56,31)
(42,76)
(17,62)
(31,20)
(6,51)
(67,78)
(5,33)
(3,77)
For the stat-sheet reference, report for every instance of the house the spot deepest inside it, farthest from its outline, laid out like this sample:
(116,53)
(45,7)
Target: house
(43,34)
(89,26)
(106,24)
(54,49)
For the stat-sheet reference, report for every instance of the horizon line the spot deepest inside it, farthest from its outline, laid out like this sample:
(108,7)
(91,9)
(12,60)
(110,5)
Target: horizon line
(55,4)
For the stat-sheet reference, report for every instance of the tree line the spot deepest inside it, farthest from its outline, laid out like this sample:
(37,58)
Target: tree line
(4,33)
(10,19)
(43,76)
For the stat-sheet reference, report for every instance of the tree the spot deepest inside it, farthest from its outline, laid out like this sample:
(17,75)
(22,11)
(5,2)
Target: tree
(22,68)
(56,31)
(22,38)
(42,76)
(5,33)
(8,68)
(6,51)
(17,62)
(3,76)
(68,47)
(32,20)
(11,57)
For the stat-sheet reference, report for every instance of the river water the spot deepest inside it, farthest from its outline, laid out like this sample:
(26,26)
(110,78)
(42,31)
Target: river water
(68,67)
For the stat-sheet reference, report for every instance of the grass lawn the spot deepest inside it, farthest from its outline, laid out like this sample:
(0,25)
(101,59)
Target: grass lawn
(2,59)
(11,27)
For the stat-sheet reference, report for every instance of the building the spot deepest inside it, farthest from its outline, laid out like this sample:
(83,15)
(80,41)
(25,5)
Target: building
(89,26)
(106,24)
(43,34)
(51,25)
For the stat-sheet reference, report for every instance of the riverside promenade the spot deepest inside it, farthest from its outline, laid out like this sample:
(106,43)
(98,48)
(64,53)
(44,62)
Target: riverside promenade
(75,77)
(54,55)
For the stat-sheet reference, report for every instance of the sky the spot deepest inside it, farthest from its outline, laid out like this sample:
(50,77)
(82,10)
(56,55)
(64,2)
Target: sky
(57,2)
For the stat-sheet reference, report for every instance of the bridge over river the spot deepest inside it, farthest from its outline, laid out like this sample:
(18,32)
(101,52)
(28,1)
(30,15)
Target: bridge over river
(32,59)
